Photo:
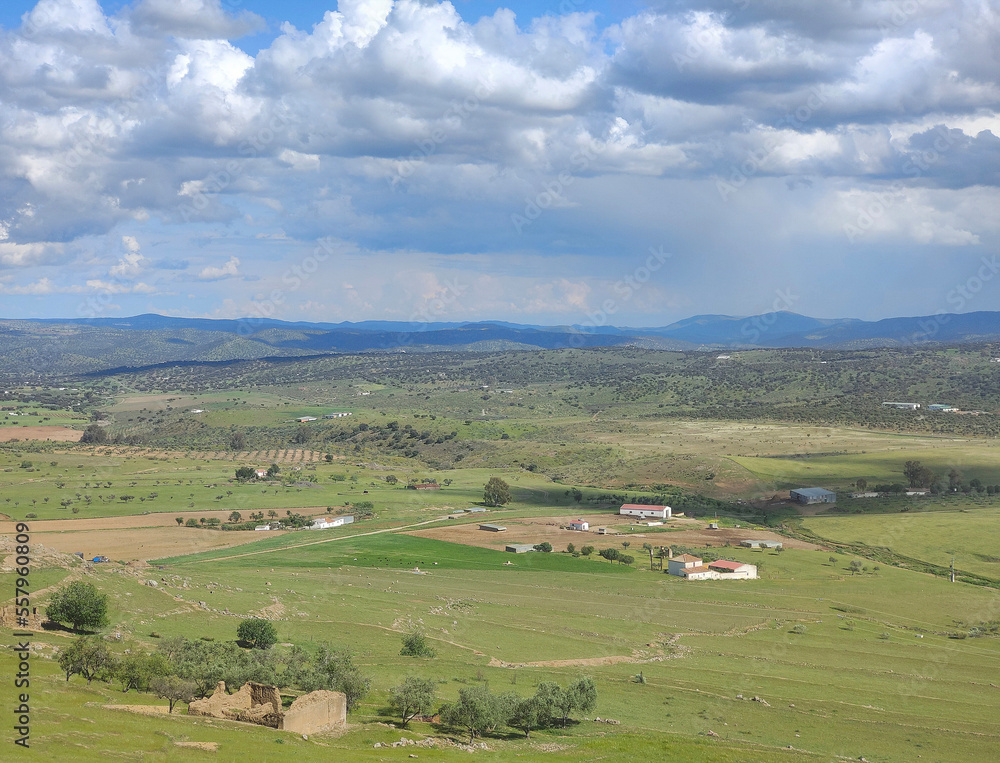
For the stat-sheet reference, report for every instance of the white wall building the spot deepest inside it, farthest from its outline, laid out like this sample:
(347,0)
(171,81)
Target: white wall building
(325,523)
(640,510)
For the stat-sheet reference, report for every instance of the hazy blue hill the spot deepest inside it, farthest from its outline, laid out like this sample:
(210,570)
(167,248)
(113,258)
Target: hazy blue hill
(32,347)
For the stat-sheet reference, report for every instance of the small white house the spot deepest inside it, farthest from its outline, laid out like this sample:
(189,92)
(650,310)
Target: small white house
(270,526)
(645,512)
(579,524)
(325,523)
(261,473)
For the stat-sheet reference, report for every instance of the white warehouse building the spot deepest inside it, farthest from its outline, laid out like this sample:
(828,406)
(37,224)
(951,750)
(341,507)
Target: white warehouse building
(641,510)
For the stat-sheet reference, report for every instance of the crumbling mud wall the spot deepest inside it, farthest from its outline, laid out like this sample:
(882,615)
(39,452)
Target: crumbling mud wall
(261,705)
(315,712)
(10,620)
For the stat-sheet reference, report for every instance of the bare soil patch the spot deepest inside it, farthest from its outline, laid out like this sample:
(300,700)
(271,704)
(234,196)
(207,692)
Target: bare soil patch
(150,536)
(585,662)
(146,543)
(158,519)
(207,746)
(141,709)
(55,434)
(683,532)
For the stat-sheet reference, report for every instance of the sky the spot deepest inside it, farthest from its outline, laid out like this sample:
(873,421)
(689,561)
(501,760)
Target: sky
(564,162)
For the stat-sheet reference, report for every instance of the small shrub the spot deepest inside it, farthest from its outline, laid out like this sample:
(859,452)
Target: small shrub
(415,645)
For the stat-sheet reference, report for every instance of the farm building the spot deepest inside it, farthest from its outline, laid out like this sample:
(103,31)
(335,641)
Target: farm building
(902,406)
(682,562)
(579,524)
(270,526)
(639,510)
(424,486)
(519,548)
(304,419)
(325,523)
(713,525)
(692,568)
(813,495)
(602,530)
(261,473)
(699,572)
(338,415)
(866,494)
(477,510)
(493,528)
(761,544)
(734,570)
(942,408)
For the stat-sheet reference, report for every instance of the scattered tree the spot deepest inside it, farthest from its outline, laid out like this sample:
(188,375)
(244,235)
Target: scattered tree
(611,554)
(496,493)
(477,710)
(544,546)
(137,670)
(246,474)
(918,474)
(257,633)
(528,713)
(413,697)
(88,656)
(173,689)
(79,604)
(235,517)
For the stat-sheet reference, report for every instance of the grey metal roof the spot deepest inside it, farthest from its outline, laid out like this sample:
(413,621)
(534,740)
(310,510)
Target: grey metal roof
(813,492)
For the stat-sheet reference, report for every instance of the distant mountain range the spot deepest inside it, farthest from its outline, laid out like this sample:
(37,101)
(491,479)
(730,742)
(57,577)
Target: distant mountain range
(82,345)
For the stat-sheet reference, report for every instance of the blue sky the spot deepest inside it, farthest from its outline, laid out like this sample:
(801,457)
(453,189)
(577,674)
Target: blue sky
(543,162)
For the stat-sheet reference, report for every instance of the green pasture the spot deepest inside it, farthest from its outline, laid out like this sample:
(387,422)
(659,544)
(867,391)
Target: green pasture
(969,536)
(974,460)
(873,672)
(40,483)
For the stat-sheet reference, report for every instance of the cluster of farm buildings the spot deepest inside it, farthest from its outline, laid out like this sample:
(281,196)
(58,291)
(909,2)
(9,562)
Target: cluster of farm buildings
(683,566)
(320,523)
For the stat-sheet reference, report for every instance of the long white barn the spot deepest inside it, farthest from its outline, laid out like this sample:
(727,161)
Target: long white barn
(641,510)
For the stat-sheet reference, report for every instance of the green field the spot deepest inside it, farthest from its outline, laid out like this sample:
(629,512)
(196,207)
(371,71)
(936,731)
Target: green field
(857,681)
(969,536)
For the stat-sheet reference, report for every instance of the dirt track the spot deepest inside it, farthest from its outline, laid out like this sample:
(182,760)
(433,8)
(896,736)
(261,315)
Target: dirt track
(684,532)
(56,434)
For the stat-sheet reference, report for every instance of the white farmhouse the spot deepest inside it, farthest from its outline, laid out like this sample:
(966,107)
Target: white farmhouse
(325,523)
